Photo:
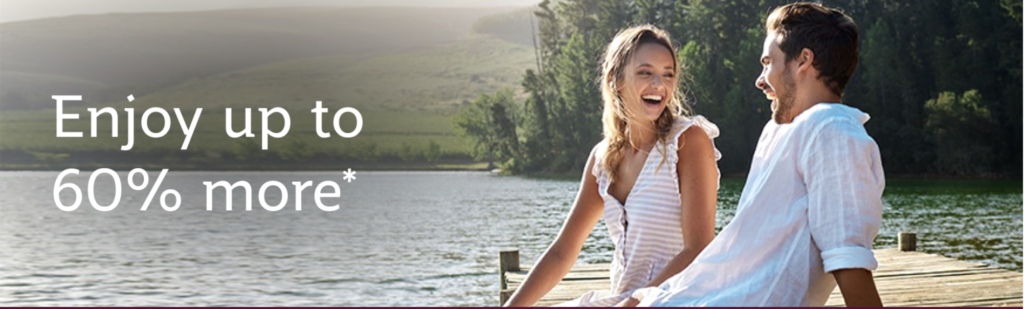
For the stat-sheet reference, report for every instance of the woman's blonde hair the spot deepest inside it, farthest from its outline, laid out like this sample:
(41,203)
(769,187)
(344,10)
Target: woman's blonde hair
(616,115)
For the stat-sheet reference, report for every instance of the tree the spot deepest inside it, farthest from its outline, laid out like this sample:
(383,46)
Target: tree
(913,58)
(406,153)
(489,126)
(433,152)
(960,127)
(247,149)
(297,150)
(579,103)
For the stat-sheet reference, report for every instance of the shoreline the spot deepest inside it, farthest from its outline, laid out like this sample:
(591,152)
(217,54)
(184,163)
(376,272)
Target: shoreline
(457,166)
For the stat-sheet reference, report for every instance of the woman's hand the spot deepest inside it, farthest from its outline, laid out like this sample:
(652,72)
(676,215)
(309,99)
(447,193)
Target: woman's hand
(628,302)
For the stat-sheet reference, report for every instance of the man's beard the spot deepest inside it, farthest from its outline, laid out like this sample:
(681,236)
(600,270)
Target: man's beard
(784,99)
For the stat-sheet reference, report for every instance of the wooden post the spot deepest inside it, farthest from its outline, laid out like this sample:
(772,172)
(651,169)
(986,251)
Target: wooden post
(508,260)
(505,295)
(908,241)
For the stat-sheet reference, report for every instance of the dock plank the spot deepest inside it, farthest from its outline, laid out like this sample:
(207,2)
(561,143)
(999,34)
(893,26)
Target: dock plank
(906,279)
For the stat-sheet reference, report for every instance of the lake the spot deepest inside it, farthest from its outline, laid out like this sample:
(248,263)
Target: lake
(398,239)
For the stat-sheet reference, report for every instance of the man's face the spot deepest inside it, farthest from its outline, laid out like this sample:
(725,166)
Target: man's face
(776,79)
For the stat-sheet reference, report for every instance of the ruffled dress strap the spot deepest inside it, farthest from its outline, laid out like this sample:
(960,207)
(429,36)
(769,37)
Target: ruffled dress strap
(684,123)
(598,154)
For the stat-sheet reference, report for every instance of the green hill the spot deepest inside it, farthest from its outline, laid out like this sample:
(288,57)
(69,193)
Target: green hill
(105,56)
(436,79)
(406,100)
(513,26)
(407,76)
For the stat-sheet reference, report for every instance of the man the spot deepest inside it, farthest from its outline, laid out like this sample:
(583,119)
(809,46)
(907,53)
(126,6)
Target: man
(811,206)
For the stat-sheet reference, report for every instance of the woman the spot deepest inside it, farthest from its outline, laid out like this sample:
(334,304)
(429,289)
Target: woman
(653,179)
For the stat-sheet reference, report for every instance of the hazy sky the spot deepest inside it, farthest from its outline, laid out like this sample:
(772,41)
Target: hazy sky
(14,10)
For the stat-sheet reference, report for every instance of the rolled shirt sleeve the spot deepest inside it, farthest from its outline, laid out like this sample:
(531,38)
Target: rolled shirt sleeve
(843,173)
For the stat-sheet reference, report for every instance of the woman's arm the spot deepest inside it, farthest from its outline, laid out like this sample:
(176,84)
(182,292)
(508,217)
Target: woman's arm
(698,191)
(556,262)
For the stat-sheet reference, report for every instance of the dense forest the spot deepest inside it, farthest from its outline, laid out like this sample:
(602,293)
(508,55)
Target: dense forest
(940,79)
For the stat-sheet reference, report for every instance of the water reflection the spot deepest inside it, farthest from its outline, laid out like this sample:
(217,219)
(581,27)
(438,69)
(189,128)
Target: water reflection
(399,239)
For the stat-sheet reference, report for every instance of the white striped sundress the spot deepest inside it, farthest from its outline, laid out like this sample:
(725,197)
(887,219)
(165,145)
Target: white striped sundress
(646,231)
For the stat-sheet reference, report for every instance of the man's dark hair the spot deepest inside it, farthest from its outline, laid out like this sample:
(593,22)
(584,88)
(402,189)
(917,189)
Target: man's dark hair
(829,33)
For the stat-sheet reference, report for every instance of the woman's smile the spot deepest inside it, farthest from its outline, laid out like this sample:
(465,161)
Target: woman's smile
(653,99)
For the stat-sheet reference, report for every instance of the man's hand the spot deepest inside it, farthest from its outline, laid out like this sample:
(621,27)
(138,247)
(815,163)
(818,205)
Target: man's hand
(858,287)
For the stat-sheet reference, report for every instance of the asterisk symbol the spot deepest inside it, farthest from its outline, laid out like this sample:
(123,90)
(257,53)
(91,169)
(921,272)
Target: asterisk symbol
(350,175)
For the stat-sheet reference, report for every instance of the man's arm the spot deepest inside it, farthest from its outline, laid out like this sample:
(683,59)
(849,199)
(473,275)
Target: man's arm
(858,287)
(843,173)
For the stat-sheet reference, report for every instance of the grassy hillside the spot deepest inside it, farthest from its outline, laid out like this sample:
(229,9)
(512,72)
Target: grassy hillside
(513,26)
(15,10)
(104,56)
(406,100)
(436,80)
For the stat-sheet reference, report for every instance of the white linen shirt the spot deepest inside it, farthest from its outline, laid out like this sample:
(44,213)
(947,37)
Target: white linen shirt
(811,205)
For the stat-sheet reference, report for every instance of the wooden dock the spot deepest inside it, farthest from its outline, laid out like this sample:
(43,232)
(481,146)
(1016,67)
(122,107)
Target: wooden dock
(905,278)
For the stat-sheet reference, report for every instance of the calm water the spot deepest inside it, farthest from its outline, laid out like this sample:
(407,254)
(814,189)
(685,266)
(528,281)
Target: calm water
(399,239)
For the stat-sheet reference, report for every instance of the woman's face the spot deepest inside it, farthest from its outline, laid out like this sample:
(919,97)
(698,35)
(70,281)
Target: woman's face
(650,81)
